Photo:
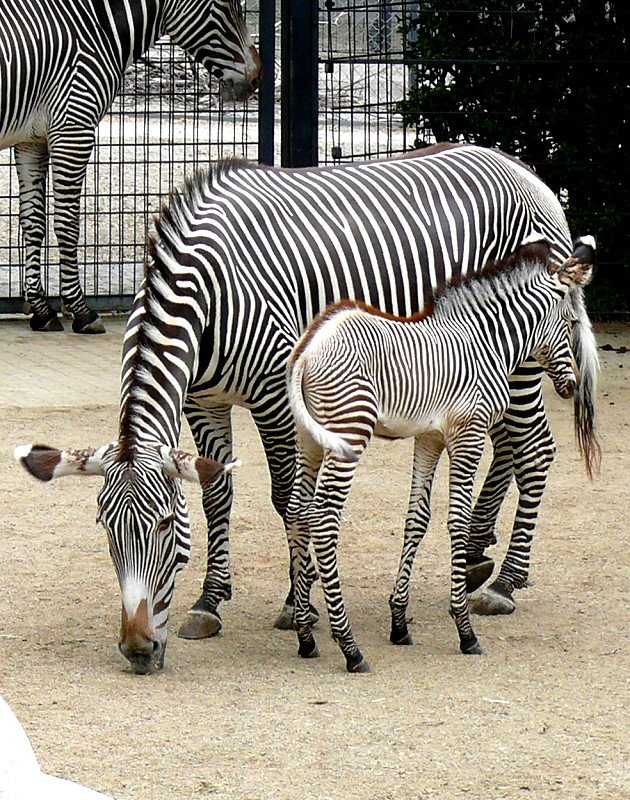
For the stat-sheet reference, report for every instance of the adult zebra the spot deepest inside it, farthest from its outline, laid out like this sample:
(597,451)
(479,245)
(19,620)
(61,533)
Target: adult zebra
(61,64)
(242,260)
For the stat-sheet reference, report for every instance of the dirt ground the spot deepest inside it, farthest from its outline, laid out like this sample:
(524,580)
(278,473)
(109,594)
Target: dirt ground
(241,717)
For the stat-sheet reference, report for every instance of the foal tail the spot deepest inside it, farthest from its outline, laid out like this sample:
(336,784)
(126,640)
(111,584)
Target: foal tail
(304,420)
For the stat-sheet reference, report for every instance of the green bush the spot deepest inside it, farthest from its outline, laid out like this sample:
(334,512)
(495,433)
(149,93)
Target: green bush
(549,82)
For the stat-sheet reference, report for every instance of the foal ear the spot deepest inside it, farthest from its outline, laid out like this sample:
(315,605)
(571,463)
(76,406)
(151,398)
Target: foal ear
(578,269)
(46,463)
(197,469)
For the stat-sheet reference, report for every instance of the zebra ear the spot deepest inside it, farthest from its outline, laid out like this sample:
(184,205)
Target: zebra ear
(46,463)
(197,469)
(578,269)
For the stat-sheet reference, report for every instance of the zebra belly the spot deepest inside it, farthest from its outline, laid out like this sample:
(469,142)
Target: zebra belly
(392,427)
(33,128)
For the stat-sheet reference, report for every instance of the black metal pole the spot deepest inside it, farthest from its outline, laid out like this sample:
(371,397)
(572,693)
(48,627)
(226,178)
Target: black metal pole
(266,91)
(300,55)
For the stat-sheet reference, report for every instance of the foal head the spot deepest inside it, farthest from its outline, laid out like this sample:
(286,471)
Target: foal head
(554,340)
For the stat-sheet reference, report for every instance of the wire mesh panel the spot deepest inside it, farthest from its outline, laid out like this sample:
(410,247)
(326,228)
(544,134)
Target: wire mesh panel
(366,75)
(167,120)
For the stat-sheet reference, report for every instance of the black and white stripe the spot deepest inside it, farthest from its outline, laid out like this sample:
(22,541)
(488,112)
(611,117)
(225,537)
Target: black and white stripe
(245,256)
(61,64)
(441,378)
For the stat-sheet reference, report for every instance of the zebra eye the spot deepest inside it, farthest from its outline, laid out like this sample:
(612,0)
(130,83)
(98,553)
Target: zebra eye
(165,524)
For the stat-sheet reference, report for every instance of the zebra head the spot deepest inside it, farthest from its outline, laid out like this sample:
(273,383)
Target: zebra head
(144,512)
(214,33)
(554,351)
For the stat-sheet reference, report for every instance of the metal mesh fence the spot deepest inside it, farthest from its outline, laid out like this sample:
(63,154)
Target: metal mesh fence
(365,76)
(167,120)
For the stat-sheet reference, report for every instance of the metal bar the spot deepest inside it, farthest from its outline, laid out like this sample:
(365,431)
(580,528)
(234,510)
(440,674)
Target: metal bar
(266,91)
(113,302)
(300,51)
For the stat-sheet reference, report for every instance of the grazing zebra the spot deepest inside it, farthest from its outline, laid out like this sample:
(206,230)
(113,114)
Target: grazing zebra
(144,511)
(245,256)
(61,64)
(441,377)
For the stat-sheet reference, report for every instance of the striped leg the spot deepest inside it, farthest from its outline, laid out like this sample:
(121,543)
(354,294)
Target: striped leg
(426,454)
(212,431)
(308,463)
(532,460)
(533,452)
(465,455)
(324,516)
(69,156)
(31,161)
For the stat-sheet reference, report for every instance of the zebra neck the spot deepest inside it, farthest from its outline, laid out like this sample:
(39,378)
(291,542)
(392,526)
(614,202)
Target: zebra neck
(160,359)
(129,27)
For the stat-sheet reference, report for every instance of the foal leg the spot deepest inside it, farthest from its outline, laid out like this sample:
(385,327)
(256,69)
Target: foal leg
(324,516)
(309,459)
(426,454)
(465,454)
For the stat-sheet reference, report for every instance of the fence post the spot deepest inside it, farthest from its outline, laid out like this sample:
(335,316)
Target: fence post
(299,50)
(266,91)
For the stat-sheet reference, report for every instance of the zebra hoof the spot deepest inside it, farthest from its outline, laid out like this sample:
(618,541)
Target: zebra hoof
(357,667)
(284,620)
(475,649)
(478,572)
(308,650)
(40,325)
(490,602)
(90,323)
(200,625)
(402,637)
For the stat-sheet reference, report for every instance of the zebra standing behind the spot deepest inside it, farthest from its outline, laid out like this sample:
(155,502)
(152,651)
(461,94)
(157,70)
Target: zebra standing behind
(61,65)
(242,259)
(441,377)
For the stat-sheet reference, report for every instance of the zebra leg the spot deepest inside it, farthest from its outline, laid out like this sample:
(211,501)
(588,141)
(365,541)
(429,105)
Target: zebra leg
(465,455)
(324,516)
(533,458)
(277,433)
(486,510)
(308,462)
(426,454)
(31,161)
(212,431)
(69,156)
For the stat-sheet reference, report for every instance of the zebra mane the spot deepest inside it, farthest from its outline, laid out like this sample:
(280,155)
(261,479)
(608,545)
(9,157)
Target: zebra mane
(514,270)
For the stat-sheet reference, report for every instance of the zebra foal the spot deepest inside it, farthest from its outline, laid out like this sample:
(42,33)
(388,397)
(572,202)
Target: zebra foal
(61,65)
(442,377)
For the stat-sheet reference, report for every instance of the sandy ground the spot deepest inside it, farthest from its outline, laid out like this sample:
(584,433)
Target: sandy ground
(241,717)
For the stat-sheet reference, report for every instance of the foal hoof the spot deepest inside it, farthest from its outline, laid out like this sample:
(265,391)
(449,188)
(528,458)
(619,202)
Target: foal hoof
(89,323)
(491,602)
(40,325)
(200,625)
(478,572)
(400,637)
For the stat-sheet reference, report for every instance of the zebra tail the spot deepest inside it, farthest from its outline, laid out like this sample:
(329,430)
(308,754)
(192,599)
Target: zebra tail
(585,353)
(304,420)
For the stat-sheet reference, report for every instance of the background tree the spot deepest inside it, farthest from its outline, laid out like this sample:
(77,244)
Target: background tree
(547,81)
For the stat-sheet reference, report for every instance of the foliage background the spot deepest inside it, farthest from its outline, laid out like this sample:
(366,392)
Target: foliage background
(548,81)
